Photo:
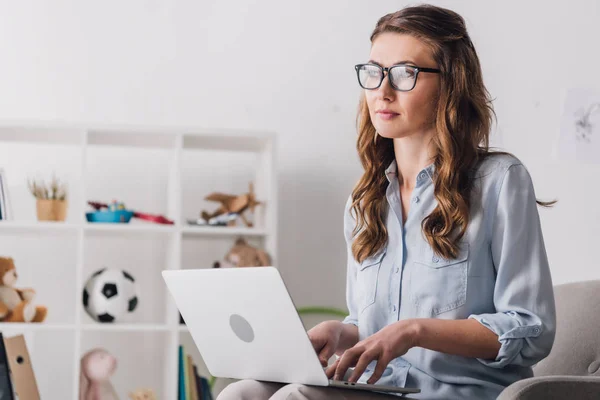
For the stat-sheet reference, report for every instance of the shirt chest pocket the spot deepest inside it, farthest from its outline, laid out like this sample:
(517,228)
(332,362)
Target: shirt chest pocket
(439,285)
(366,280)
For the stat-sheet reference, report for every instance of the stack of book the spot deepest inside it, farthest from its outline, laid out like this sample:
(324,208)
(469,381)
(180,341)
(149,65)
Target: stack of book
(5,207)
(192,386)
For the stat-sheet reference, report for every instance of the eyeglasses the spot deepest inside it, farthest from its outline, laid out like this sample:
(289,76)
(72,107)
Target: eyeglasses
(402,77)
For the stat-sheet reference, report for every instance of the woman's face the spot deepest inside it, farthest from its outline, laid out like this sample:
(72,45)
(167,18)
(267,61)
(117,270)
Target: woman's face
(413,111)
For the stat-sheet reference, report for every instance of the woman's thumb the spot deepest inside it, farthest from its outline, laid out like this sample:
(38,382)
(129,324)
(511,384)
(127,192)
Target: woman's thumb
(325,354)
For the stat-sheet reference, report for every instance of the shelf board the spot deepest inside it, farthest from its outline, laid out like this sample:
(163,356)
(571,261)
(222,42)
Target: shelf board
(43,226)
(41,135)
(130,327)
(191,230)
(95,327)
(37,226)
(225,141)
(129,227)
(35,326)
(124,138)
(132,228)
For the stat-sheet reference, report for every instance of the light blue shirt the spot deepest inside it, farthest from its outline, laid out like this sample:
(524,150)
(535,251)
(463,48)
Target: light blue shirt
(501,279)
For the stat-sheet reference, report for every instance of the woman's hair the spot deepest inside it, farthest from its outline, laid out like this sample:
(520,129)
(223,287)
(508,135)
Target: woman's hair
(462,120)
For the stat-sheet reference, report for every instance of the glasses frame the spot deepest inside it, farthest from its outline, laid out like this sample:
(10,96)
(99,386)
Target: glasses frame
(386,70)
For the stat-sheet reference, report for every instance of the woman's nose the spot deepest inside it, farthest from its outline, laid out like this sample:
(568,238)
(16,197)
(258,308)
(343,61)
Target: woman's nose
(385,90)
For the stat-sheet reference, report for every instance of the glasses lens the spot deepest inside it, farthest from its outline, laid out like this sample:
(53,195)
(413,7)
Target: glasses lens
(403,77)
(369,76)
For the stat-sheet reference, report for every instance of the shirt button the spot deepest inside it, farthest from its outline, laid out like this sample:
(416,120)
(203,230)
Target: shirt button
(417,199)
(422,176)
(435,259)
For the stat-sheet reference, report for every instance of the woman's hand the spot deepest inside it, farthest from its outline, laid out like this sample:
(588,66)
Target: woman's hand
(325,338)
(391,342)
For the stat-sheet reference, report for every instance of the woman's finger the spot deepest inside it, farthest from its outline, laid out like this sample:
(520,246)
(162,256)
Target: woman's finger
(347,360)
(382,363)
(325,354)
(362,363)
(330,371)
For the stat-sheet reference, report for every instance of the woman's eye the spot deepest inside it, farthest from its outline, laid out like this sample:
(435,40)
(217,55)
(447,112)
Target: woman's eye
(404,73)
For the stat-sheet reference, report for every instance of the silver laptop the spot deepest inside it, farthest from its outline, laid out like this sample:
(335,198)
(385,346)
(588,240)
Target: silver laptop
(245,326)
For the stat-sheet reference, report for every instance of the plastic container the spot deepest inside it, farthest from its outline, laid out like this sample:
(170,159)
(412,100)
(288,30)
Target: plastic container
(119,216)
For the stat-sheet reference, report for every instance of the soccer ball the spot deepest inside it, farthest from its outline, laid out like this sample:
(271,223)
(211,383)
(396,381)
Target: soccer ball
(109,295)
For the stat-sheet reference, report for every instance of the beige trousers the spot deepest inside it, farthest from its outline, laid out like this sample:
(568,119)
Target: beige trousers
(258,390)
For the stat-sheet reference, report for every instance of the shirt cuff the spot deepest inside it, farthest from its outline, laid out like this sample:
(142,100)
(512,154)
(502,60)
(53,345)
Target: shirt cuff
(349,320)
(511,335)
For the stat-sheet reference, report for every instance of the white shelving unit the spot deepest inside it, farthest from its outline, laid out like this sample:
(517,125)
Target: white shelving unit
(165,171)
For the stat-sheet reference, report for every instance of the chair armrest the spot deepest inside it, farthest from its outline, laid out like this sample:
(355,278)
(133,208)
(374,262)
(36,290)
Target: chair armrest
(553,388)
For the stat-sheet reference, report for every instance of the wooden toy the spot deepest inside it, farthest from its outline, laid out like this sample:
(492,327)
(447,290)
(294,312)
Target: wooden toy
(232,204)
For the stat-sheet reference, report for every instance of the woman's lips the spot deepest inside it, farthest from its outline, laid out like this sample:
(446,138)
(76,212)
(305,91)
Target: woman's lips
(387,115)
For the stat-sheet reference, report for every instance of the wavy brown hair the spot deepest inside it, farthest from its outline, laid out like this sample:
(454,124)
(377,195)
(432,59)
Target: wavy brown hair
(463,120)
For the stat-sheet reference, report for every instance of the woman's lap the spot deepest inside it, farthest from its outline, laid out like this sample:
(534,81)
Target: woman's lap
(258,390)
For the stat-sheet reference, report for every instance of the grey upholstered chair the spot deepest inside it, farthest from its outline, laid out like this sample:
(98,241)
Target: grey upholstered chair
(572,370)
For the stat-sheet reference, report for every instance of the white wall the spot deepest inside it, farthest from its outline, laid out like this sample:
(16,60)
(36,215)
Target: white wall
(245,64)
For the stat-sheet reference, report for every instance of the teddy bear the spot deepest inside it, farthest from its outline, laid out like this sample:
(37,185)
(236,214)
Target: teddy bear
(16,305)
(244,255)
(97,366)
(142,394)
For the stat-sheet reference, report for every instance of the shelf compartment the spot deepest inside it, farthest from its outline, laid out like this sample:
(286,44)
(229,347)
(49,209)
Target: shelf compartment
(204,172)
(185,339)
(141,178)
(132,349)
(23,162)
(204,253)
(40,259)
(51,354)
(142,256)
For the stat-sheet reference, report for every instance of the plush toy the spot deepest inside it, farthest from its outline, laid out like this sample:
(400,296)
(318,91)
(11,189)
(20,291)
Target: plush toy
(97,366)
(244,255)
(142,394)
(16,305)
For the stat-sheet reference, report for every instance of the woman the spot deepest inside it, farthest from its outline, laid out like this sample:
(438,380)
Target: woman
(448,283)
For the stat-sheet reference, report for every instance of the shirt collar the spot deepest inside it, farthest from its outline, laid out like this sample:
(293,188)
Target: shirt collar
(425,174)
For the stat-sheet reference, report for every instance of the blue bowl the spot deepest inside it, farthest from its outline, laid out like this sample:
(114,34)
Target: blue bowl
(120,216)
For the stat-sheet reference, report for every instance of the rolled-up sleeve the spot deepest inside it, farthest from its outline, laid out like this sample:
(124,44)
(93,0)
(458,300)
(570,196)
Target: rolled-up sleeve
(349,223)
(525,317)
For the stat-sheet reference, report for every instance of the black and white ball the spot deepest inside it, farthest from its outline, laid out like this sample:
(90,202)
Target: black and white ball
(109,295)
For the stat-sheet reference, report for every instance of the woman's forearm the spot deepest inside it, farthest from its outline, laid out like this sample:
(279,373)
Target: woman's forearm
(465,337)
(348,338)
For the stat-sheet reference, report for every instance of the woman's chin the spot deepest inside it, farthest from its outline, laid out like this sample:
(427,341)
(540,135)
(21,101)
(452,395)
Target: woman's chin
(391,133)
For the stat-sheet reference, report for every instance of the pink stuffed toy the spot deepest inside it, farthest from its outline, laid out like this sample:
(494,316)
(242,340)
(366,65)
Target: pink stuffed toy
(97,366)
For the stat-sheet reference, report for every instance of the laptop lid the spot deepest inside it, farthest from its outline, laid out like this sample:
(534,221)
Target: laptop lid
(245,324)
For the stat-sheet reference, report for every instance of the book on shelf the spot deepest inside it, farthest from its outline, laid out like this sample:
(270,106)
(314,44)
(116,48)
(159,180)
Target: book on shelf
(5,205)
(192,386)
(17,379)
(181,379)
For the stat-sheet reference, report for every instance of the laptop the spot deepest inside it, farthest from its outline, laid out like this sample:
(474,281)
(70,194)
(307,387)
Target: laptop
(246,326)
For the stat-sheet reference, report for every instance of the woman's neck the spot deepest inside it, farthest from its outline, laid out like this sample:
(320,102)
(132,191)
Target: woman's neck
(413,153)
